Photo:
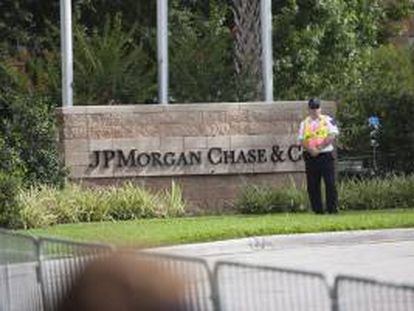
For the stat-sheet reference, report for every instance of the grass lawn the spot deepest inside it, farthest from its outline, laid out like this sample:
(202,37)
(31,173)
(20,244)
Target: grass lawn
(154,232)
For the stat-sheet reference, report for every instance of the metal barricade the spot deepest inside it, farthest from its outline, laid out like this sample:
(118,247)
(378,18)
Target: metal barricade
(60,263)
(361,294)
(251,287)
(20,287)
(197,278)
(37,273)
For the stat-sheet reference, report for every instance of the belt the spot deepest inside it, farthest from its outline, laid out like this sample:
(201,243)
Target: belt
(307,156)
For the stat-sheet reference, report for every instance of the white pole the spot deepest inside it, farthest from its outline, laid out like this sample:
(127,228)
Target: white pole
(162,49)
(267,51)
(67,52)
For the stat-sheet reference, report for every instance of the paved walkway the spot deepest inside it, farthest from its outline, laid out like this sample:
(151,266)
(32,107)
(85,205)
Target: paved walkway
(386,255)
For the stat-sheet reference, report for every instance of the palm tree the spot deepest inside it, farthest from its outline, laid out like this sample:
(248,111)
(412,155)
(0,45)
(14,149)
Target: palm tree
(247,46)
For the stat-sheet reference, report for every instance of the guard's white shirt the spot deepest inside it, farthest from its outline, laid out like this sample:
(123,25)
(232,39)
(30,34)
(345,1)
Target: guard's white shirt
(332,130)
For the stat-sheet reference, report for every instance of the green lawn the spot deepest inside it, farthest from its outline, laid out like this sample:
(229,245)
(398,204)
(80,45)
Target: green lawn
(210,228)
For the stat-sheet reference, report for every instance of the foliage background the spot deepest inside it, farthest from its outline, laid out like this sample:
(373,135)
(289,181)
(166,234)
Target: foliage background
(392,192)
(333,49)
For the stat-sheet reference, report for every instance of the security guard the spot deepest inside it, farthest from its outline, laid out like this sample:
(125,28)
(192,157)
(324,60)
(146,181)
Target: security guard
(317,134)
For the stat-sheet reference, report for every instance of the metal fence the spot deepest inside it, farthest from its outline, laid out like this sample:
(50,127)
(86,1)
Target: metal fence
(198,290)
(37,273)
(252,287)
(59,263)
(19,274)
(360,294)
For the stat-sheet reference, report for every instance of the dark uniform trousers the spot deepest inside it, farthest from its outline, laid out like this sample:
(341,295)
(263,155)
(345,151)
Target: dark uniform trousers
(321,166)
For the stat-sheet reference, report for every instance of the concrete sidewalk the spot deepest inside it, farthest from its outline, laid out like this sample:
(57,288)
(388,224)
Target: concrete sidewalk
(386,255)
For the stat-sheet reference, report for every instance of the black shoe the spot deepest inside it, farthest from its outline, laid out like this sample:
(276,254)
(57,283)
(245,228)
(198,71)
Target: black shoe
(333,212)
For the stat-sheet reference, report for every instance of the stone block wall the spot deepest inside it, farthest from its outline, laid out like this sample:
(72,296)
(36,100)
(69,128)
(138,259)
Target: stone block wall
(211,150)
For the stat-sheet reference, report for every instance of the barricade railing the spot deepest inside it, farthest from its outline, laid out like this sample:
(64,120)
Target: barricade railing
(361,294)
(20,287)
(246,287)
(60,262)
(198,292)
(17,248)
(36,274)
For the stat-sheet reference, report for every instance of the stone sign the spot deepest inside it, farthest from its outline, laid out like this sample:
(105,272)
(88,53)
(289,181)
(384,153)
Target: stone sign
(197,145)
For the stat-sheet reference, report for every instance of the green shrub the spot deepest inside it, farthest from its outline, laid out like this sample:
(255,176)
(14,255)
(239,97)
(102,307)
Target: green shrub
(379,193)
(258,199)
(91,204)
(9,208)
(27,128)
(370,194)
(403,189)
(131,202)
(46,205)
(176,205)
(10,162)
(38,207)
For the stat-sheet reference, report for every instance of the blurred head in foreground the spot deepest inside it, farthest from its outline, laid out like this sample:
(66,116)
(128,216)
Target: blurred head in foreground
(125,282)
